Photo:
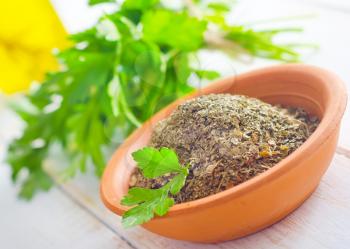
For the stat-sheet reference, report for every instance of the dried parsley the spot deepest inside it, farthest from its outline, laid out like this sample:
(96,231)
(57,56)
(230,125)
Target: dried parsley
(226,139)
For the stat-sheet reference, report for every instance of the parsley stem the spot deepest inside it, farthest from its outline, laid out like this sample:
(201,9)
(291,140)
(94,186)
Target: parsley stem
(122,98)
(127,111)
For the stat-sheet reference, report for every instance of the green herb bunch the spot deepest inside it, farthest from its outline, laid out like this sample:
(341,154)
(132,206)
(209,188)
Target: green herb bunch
(117,74)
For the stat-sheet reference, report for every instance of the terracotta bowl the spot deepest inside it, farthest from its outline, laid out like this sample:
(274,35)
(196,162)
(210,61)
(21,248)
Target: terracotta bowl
(268,197)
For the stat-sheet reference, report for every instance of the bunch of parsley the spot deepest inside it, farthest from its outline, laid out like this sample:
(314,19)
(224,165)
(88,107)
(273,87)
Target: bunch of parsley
(119,73)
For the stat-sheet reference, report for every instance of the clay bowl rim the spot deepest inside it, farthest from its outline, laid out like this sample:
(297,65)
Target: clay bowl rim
(331,118)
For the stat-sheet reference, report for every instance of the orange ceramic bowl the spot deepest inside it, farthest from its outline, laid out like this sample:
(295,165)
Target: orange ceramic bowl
(268,197)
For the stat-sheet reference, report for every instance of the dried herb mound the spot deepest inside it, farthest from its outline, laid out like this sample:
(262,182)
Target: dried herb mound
(227,139)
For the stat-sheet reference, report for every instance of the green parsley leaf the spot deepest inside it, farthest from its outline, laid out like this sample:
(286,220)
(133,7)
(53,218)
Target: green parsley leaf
(163,206)
(260,43)
(177,183)
(139,4)
(219,7)
(37,180)
(138,195)
(153,163)
(138,215)
(95,2)
(207,74)
(176,30)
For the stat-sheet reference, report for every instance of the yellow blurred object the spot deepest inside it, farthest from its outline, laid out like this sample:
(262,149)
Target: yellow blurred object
(29,30)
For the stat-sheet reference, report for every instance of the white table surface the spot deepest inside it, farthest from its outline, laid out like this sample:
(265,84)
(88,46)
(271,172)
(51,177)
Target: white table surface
(71,215)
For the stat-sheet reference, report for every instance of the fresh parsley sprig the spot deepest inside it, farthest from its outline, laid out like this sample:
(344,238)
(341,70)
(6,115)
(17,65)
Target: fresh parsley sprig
(153,163)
